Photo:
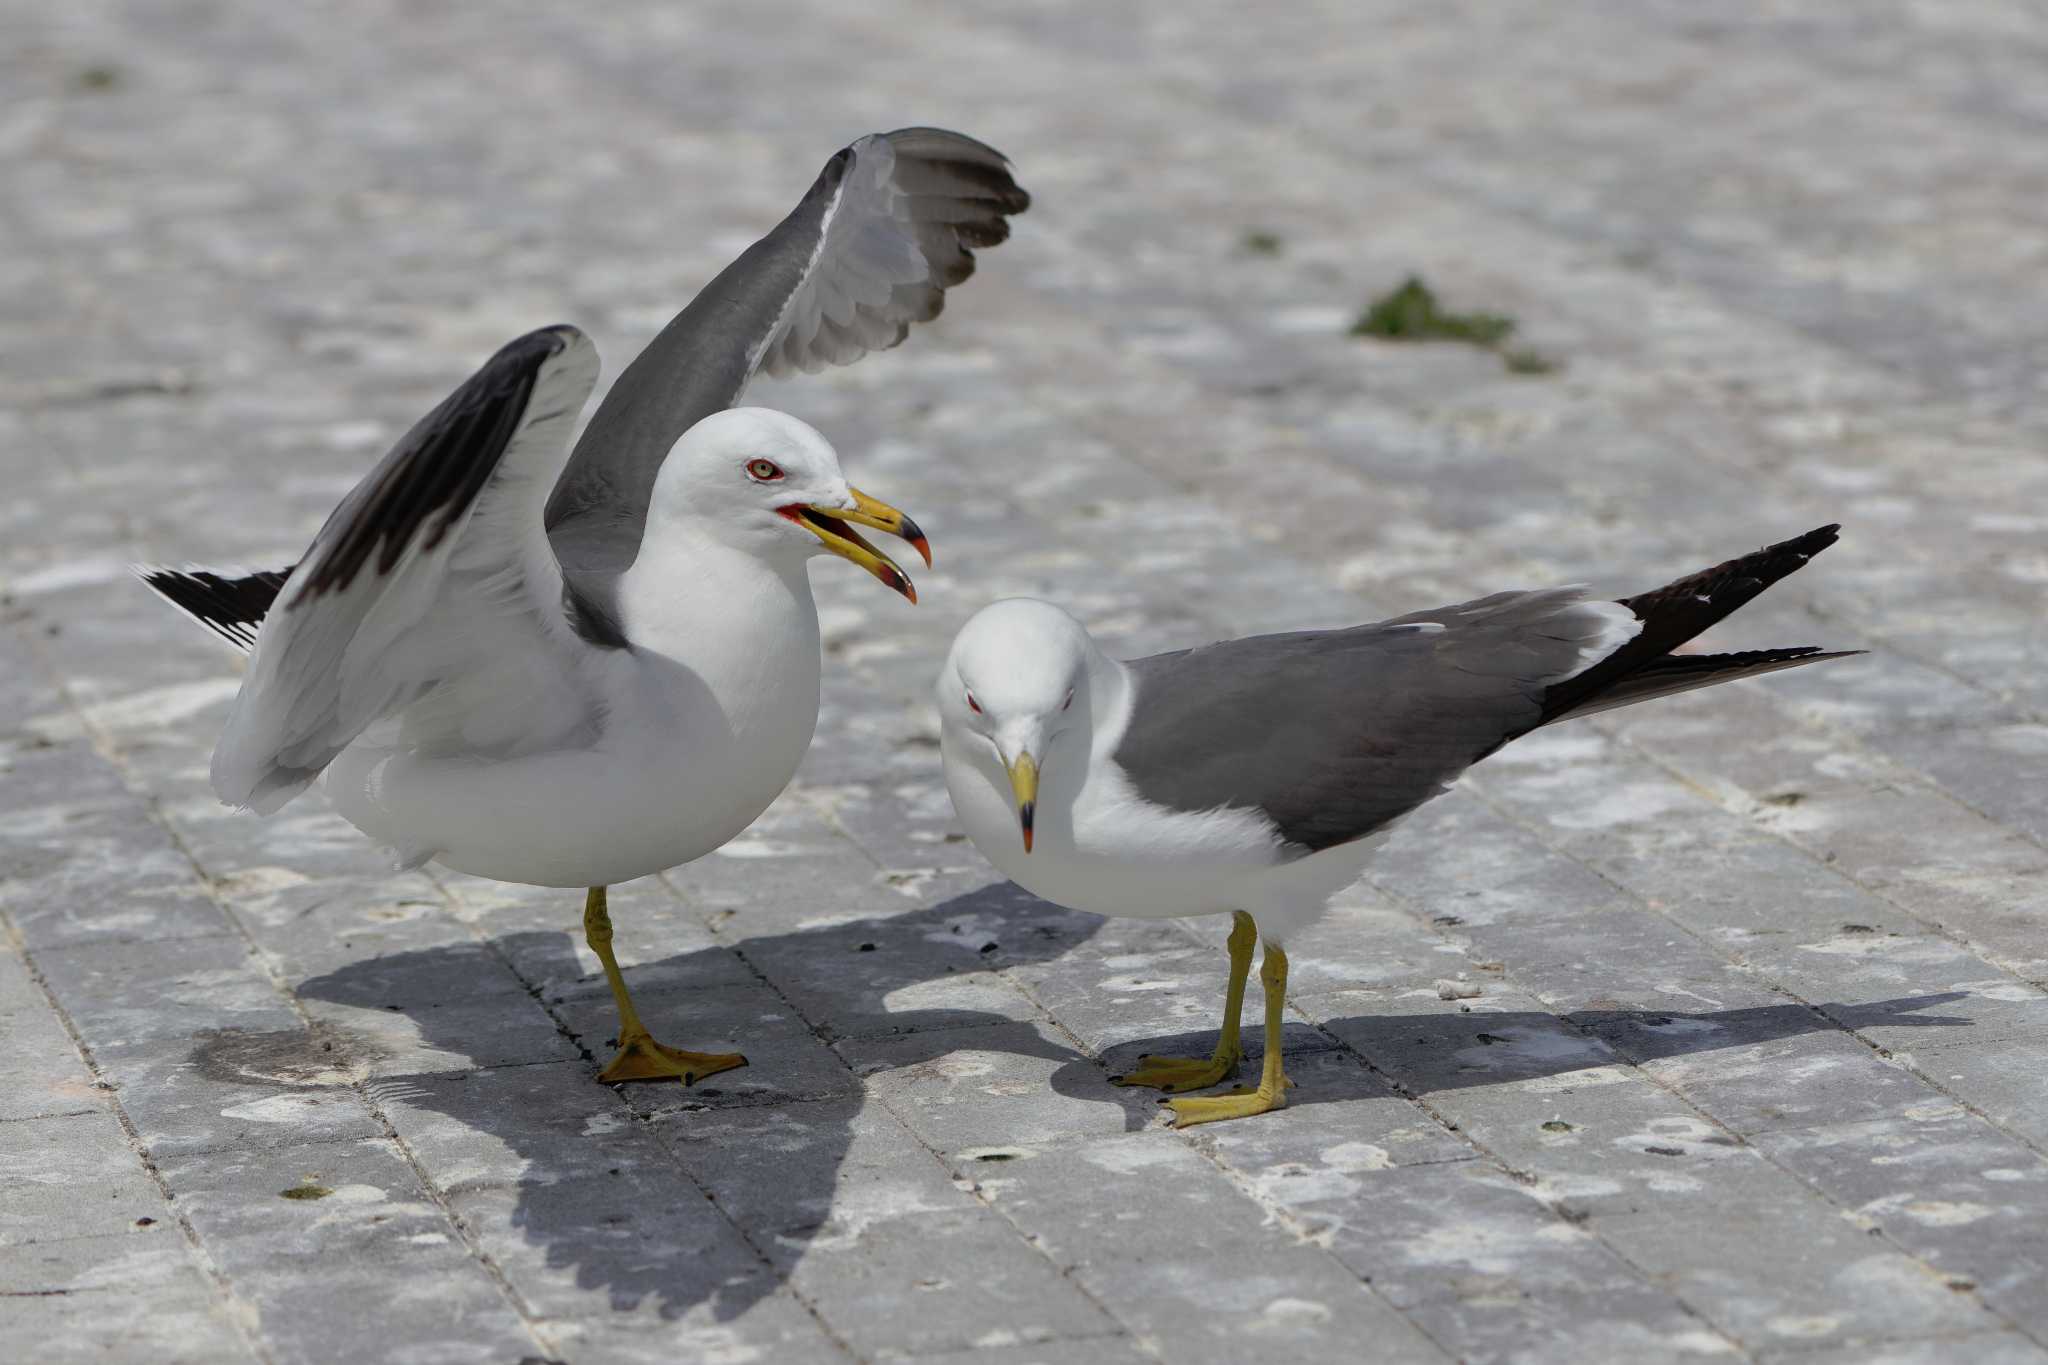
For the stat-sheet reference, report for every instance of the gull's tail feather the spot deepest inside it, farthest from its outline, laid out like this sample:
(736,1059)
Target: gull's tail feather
(1645,667)
(230,603)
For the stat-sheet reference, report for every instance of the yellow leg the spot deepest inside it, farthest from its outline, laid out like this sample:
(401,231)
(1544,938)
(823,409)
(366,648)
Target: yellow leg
(1273,1082)
(1196,1073)
(640,1058)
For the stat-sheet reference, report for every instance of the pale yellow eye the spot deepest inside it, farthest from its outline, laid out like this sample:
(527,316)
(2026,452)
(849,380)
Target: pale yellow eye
(764,471)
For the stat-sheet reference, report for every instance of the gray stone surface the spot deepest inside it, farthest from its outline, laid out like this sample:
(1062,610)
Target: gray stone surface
(1747,1057)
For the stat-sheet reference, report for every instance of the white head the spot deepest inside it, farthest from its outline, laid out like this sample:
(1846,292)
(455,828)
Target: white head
(1019,684)
(764,482)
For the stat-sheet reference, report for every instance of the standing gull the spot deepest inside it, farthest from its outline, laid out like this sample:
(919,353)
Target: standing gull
(573,669)
(1257,776)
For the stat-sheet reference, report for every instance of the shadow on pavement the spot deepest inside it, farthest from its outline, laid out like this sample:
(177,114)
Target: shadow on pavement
(596,1191)
(1427,1054)
(785,1145)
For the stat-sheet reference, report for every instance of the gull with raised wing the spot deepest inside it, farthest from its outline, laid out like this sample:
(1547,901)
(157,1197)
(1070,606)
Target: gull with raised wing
(1255,777)
(573,669)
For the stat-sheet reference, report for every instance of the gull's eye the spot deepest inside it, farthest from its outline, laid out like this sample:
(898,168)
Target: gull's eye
(763,471)
(973,705)
(1069,701)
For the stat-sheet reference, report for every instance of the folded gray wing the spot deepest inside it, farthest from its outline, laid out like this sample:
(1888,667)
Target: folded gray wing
(887,228)
(1336,734)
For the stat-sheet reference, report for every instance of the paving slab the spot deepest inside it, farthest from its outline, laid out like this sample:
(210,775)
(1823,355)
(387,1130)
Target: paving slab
(42,1075)
(1994,1348)
(1959,1196)
(227,1089)
(72,1176)
(994,1086)
(1164,1239)
(311,1233)
(778,1328)
(122,996)
(800,1171)
(940,1281)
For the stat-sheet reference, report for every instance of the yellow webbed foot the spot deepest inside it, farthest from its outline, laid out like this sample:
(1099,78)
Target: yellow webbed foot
(1240,1103)
(640,1058)
(1179,1073)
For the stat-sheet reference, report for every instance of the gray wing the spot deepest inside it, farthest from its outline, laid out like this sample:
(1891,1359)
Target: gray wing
(1335,734)
(886,229)
(432,577)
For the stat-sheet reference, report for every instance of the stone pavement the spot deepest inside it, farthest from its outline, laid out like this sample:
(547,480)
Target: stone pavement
(1751,1063)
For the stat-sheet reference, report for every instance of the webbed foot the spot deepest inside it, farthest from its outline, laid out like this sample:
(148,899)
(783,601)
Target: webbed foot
(640,1058)
(1173,1074)
(1240,1103)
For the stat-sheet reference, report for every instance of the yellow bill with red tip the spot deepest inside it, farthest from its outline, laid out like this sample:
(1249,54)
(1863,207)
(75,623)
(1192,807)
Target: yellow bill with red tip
(830,525)
(1024,785)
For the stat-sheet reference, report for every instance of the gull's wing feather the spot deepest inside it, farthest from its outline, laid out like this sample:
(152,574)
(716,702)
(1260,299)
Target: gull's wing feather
(1336,734)
(431,594)
(911,206)
(884,231)
(1333,734)
(229,602)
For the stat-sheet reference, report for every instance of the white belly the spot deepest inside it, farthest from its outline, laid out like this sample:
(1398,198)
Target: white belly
(687,757)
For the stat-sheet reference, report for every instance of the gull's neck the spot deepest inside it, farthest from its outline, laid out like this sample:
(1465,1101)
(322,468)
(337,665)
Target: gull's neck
(1109,702)
(734,617)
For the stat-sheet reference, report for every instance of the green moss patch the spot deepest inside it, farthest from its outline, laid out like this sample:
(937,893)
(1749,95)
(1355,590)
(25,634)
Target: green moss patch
(1412,312)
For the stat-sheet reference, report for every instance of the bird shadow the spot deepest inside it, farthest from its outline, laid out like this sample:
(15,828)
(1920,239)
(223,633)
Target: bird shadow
(597,1194)
(1424,1054)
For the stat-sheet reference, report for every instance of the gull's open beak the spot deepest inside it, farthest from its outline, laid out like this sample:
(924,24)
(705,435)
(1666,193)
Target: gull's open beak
(1024,782)
(829,524)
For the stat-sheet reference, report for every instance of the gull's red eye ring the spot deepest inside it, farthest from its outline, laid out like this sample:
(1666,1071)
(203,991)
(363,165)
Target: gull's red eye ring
(763,471)
(973,705)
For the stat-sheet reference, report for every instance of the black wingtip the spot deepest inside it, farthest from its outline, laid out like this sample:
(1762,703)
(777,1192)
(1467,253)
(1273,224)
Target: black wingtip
(232,606)
(437,469)
(1676,673)
(1680,610)
(1814,541)
(1728,585)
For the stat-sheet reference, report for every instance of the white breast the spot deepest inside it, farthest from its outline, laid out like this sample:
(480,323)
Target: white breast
(1106,850)
(704,722)
(1098,845)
